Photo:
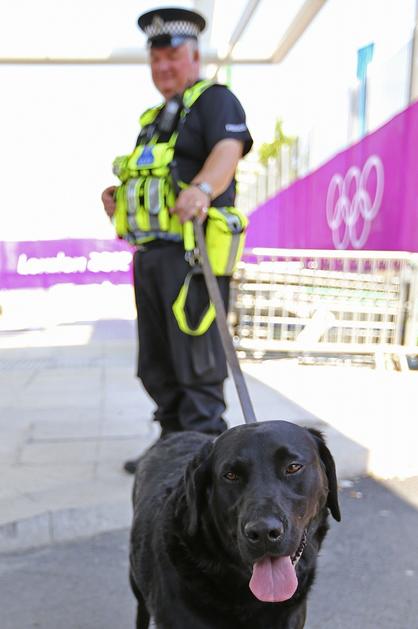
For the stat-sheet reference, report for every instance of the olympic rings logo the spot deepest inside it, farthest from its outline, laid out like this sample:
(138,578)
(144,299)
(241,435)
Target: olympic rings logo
(350,209)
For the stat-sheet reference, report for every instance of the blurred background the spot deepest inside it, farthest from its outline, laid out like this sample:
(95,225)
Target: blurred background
(329,88)
(314,76)
(324,308)
(74,82)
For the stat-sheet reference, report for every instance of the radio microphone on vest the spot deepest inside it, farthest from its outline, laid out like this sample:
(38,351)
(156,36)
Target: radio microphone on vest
(167,121)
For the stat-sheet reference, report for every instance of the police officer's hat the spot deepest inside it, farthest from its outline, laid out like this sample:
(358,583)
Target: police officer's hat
(171,26)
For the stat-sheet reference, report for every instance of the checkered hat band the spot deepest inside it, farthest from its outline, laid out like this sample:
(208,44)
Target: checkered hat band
(179,28)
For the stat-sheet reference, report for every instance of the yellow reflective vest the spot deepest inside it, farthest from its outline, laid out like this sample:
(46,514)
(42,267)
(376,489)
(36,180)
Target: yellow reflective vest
(147,193)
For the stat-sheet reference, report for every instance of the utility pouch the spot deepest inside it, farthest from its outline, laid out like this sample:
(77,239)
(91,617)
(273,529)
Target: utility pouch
(225,238)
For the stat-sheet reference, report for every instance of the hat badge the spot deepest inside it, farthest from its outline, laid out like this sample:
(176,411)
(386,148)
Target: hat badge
(157,25)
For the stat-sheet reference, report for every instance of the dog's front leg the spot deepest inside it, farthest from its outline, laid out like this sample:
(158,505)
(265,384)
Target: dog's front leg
(142,615)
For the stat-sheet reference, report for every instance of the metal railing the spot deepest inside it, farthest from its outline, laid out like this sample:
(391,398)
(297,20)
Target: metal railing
(322,302)
(257,183)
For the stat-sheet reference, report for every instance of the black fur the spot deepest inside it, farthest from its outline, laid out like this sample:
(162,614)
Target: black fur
(191,561)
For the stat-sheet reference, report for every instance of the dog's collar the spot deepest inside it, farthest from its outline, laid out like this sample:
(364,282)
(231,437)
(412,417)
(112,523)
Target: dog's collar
(298,554)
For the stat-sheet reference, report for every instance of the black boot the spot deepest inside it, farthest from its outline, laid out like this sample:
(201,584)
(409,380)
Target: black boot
(131,465)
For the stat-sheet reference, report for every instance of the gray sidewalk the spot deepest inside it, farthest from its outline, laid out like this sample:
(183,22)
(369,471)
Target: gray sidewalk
(71,411)
(367,576)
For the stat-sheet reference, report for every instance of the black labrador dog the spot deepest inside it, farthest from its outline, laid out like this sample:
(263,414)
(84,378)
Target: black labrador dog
(226,532)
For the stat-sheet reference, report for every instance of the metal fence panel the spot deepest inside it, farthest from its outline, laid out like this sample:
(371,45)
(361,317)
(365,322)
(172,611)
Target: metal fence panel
(325,301)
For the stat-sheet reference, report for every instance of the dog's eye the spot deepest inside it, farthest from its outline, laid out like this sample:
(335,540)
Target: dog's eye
(231,476)
(293,468)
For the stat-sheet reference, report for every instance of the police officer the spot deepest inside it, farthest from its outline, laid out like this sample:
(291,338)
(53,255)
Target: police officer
(200,130)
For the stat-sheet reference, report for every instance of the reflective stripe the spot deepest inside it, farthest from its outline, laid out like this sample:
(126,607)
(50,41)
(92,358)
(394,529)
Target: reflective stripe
(153,201)
(235,227)
(164,215)
(132,205)
(130,195)
(232,255)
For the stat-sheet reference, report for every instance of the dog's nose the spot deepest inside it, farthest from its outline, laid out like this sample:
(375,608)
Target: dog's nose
(264,531)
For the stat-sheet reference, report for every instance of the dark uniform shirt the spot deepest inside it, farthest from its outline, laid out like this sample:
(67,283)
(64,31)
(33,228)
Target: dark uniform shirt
(216,115)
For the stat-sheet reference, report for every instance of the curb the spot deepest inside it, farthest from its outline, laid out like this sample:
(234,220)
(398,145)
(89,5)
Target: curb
(66,524)
(63,525)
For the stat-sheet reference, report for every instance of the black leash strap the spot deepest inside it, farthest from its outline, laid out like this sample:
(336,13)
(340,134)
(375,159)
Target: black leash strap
(221,321)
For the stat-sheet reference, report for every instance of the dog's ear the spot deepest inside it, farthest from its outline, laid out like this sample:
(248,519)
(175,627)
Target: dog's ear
(328,461)
(196,481)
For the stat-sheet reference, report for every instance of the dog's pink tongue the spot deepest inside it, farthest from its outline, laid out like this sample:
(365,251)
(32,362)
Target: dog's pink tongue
(274,579)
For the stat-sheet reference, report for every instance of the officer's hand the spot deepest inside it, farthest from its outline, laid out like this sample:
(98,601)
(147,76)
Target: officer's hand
(191,202)
(108,200)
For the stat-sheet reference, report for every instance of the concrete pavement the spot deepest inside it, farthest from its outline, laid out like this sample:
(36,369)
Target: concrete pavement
(367,574)
(71,411)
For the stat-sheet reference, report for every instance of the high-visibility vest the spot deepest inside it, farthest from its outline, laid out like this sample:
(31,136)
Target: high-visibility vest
(147,192)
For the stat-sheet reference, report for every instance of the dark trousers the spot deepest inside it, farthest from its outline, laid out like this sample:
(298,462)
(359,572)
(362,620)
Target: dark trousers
(183,374)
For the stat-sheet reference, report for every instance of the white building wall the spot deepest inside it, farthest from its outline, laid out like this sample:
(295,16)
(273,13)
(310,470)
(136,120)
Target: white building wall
(312,90)
(62,125)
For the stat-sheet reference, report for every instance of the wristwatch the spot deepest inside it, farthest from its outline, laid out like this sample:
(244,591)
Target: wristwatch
(205,187)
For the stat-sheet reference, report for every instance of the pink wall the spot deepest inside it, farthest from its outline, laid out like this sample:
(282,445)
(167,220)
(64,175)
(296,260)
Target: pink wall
(39,264)
(364,198)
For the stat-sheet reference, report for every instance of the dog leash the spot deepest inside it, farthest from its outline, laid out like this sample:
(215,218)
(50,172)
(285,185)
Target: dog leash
(221,321)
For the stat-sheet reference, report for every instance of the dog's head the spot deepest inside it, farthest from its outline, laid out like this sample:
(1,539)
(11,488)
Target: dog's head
(264,486)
